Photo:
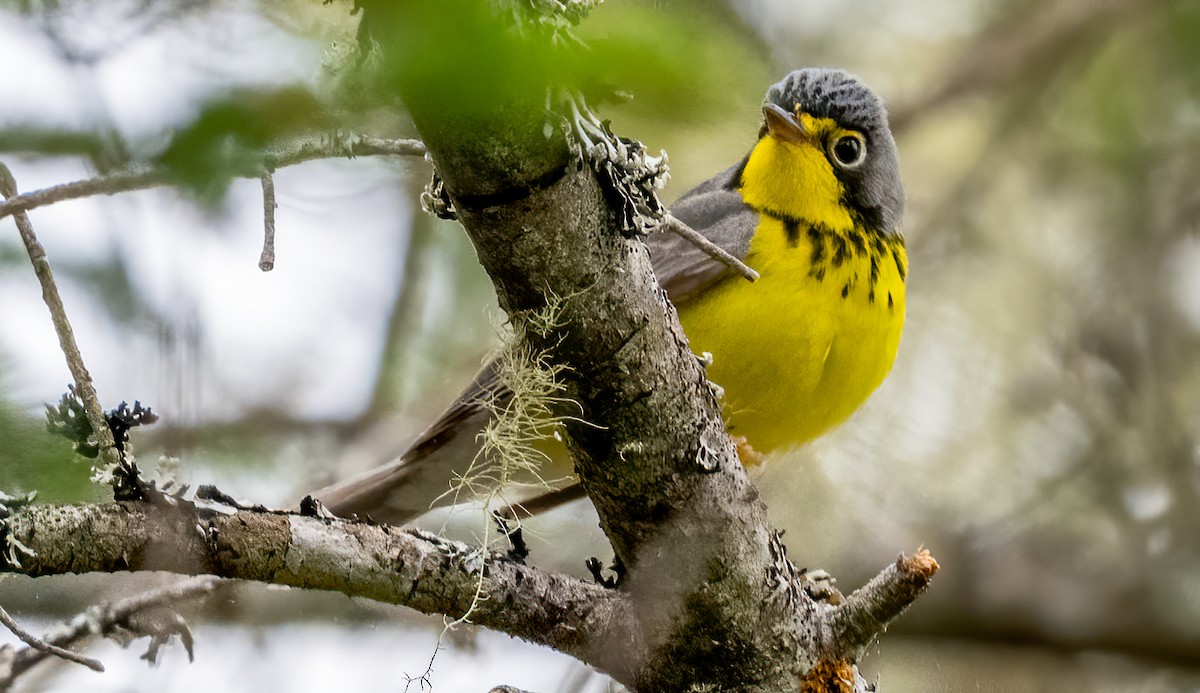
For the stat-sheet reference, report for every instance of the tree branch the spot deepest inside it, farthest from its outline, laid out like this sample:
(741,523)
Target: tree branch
(857,622)
(101,433)
(650,446)
(266,261)
(42,648)
(105,619)
(280,155)
(405,567)
(710,249)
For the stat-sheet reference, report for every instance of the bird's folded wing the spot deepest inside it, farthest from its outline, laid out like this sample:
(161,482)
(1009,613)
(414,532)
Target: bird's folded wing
(716,210)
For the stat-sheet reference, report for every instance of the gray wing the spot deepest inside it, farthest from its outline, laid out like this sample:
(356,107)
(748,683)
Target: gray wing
(715,209)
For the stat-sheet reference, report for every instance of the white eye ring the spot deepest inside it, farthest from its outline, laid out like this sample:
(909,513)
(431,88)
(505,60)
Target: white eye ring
(849,150)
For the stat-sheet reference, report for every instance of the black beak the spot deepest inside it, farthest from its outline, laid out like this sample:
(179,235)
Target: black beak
(785,126)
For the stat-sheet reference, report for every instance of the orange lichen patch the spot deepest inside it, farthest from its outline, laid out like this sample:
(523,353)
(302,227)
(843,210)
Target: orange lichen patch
(921,565)
(829,676)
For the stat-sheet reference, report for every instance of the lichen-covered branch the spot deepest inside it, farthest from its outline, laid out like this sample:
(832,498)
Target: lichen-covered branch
(651,451)
(266,261)
(405,567)
(714,603)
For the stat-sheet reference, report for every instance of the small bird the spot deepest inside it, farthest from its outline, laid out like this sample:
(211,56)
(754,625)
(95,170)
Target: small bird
(815,208)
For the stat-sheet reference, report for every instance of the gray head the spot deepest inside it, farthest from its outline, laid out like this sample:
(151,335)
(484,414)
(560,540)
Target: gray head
(868,169)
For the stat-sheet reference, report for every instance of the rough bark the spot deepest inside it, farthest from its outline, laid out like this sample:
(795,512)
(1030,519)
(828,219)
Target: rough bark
(405,567)
(602,627)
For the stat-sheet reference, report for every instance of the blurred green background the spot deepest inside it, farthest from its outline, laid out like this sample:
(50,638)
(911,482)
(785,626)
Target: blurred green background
(1040,433)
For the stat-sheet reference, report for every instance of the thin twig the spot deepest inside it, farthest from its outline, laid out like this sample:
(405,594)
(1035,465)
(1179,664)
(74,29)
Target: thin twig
(62,326)
(102,619)
(287,153)
(121,181)
(337,145)
(865,613)
(45,648)
(266,262)
(710,249)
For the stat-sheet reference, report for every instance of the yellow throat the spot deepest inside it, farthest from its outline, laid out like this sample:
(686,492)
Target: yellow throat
(798,351)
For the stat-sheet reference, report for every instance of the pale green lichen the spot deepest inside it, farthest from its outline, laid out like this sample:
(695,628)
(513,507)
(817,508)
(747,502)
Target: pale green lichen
(524,414)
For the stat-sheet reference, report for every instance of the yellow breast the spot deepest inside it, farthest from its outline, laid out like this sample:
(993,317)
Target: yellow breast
(799,350)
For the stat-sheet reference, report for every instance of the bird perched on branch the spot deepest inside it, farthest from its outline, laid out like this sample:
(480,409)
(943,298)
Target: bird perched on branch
(815,208)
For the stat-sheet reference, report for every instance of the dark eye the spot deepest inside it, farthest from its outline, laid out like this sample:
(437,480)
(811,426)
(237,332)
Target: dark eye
(849,150)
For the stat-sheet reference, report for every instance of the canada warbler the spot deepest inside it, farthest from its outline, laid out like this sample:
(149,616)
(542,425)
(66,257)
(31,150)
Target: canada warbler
(815,208)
